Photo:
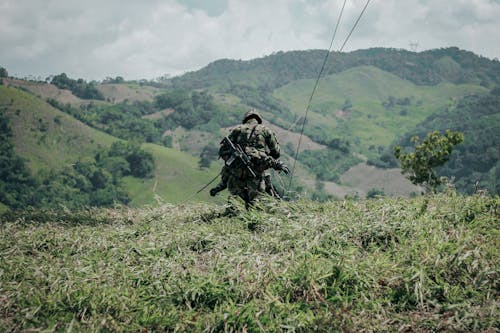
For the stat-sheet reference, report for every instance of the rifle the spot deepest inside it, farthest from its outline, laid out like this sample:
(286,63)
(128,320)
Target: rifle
(238,154)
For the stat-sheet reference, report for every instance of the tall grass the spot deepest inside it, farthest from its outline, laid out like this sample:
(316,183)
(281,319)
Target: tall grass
(422,264)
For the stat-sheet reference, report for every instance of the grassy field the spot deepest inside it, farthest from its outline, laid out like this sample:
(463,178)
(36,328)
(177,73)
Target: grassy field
(407,265)
(368,122)
(50,139)
(45,136)
(177,178)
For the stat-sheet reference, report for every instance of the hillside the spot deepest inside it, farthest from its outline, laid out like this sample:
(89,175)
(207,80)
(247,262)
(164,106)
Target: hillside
(49,139)
(273,71)
(407,265)
(478,117)
(367,101)
(356,105)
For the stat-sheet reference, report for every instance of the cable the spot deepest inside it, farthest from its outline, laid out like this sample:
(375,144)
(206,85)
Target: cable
(318,78)
(313,92)
(201,189)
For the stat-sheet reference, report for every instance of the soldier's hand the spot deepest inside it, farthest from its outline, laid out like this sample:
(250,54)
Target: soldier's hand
(213,192)
(281,166)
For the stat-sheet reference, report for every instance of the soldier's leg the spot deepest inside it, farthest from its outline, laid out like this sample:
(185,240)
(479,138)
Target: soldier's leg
(223,183)
(256,189)
(237,201)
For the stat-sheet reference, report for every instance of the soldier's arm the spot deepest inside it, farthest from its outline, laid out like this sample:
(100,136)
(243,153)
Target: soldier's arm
(272,144)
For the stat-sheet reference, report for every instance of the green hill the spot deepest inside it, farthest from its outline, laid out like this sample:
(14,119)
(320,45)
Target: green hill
(424,68)
(45,136)
(422,265)
(367,106)
(366,101)
(475,164)
(49,139)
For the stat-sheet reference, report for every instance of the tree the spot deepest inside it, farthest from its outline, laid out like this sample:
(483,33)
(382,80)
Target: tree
(374,193)
(419,166)
(3,72)
(208,154)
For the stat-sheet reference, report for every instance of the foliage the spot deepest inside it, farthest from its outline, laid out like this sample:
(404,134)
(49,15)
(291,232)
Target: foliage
(116,80)
(209,153)
(328,164)
(3,72)
(261,98)
(434,151)
(16,182)
(293,266)
(78,87)
(424,68)
(123,120)
(476,162)
(192,109)
(375,193)
(140,163)
(84,183)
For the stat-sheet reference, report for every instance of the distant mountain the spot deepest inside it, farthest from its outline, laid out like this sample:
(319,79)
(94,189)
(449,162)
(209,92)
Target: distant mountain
(367,101)
(51,142)
(423,68)
(475,163)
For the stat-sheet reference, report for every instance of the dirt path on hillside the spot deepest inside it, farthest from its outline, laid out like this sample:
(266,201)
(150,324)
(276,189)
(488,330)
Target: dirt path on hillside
(45,91)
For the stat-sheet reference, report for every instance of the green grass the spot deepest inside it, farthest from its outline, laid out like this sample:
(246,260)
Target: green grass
(422,264)
(3,208)
(177,178)
(45,136)
(50,139)
(368,122)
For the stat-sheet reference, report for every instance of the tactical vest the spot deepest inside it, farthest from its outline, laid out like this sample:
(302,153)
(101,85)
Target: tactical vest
(251,138)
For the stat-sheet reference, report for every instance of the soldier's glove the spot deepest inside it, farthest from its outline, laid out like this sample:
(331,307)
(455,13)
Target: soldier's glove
(281,166)
(213,191)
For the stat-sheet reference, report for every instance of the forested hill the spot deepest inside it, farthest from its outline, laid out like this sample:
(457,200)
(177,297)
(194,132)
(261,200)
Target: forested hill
(423,68)
(367,101)
(476,162)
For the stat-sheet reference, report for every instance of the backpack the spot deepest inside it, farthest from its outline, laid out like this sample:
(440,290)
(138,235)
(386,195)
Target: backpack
(250,138)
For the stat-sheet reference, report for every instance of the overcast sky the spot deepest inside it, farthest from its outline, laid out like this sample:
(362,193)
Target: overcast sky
(94,39)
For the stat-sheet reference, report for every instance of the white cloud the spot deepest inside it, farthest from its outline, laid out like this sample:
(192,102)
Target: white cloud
(145,39)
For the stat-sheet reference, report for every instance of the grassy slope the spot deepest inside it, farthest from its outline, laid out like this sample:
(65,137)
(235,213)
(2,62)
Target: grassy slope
(45,136)
(176,179)
(409,265)
(49,138)
(127,91)
(367,87)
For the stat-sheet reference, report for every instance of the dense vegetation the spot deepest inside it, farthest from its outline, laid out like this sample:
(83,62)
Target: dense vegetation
(192,110)
(478,118)
(78,87)
(122,120)
(328,164)
(94,182)
(408,265)
(3,72)
(125,120)
(16,182)
(423,68)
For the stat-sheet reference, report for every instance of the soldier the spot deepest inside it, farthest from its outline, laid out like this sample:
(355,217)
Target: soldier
(248,151)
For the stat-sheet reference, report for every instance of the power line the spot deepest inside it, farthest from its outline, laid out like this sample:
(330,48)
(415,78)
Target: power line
(319,76)
(314,91)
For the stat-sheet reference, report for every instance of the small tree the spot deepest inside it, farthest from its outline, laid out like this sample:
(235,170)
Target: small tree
(208,154)
(3,72)
(419,166)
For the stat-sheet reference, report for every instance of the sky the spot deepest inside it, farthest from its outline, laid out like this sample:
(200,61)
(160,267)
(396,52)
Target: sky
(95,39)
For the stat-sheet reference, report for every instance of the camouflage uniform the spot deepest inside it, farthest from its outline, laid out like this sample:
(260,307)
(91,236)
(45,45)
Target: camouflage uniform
(260,144)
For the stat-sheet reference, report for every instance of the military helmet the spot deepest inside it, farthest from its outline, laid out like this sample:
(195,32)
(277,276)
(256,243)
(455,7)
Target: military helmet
(252,114)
